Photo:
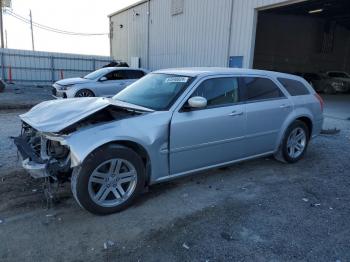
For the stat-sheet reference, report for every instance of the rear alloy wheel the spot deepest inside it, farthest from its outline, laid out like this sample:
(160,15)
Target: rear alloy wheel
(84,93)
(295,142)
(109,180)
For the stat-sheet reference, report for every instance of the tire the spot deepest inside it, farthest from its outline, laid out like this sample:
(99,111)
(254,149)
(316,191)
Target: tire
(329,90)
(84,93)
(295,142)
(91,181)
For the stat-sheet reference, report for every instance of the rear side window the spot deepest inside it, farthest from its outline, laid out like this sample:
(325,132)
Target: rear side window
(133,74)
(126,74)
(219,91)
(259,88)
(294,88)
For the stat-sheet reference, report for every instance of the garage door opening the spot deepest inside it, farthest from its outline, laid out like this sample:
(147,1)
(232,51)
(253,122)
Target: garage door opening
(305,38)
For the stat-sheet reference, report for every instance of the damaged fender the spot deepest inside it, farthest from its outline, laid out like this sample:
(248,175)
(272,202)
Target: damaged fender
(149,131)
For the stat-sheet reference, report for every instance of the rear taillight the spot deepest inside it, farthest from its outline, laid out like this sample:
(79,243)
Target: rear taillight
(319,98)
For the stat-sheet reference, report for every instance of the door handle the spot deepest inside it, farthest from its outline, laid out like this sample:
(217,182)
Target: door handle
(285,106)
(236,113)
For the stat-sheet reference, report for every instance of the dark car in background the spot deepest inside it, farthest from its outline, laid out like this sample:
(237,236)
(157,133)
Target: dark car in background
(324,83)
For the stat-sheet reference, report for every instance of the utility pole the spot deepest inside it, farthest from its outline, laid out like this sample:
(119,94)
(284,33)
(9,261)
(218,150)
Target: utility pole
(1,24)
(31,28)
(5,38)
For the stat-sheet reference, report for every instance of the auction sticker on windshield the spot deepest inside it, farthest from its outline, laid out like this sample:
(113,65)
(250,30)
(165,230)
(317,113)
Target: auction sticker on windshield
(176,79)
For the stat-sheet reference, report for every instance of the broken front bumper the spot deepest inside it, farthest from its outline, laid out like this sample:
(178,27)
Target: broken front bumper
(35,166)
(36,170)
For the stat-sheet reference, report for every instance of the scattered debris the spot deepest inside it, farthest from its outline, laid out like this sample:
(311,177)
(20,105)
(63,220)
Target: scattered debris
(305,199)
(331,208)
(184,245)
(34,190)
(226,236)
(107,244)
(1,221)
(333,131)
(315,205)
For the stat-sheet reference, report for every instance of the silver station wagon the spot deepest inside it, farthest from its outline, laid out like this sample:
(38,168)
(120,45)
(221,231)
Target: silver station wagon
(166,125)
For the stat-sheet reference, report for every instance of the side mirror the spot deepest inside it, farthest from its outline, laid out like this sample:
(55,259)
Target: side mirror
(103,79)
(197,102)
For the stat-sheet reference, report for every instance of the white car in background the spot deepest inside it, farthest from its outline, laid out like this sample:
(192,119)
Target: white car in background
(105,82)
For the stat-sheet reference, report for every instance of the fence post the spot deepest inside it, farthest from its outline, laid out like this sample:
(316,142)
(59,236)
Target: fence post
(52,69)
(3,66)
(93,64)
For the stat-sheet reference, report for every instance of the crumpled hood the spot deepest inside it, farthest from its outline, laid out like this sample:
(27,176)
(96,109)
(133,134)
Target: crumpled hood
(72,81)
(55,115)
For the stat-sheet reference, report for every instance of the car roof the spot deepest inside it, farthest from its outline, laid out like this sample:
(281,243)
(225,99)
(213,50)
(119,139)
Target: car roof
(210,71)
(112,68)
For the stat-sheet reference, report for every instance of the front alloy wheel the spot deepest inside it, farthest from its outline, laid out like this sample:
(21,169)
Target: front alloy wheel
(84,93)
(109,179)
(112,182)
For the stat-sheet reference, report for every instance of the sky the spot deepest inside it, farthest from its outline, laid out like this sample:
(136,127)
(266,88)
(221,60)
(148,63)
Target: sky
(83,16)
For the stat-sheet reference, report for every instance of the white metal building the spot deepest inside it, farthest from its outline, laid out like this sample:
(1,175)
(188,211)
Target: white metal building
(282,35)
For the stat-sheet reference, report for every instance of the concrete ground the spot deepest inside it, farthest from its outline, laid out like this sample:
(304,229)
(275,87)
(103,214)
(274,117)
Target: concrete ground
(337,106)
(23,97)
(260,210)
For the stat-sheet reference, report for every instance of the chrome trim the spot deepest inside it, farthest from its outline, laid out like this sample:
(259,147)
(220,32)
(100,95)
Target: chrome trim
(165,178)
(186,148)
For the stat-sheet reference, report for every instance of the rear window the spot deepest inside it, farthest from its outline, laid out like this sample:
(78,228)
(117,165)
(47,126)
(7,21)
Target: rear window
(294,87)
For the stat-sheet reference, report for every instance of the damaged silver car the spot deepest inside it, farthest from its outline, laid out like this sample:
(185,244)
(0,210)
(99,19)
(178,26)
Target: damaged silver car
(166,125)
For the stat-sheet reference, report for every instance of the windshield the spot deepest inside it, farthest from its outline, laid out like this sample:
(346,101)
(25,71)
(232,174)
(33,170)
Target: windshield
(154,91)
(97,74)
(338,74)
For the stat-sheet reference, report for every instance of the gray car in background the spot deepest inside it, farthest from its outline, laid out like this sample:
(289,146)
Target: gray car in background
(169,124)
(104,82)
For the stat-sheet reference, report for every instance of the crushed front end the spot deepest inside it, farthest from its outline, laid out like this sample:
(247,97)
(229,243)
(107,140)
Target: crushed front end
(42,154)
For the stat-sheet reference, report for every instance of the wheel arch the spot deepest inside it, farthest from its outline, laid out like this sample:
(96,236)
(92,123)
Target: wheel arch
(136,147)
(308,122)
(306,118)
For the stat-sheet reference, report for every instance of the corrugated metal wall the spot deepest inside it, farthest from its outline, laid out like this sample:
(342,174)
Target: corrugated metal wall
(130,33)
(197,37)
(28,67)
(207,33)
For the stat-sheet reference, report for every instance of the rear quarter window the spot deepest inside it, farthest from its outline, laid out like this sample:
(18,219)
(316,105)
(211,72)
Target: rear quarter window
(259,88)
(294,87)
